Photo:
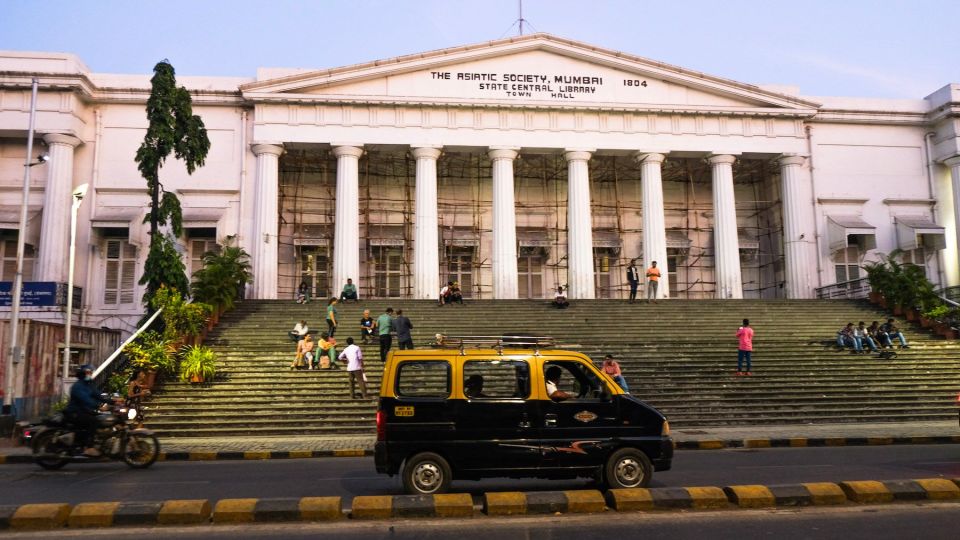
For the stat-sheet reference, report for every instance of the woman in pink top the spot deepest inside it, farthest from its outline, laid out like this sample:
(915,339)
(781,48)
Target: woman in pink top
(745,334)
(612,368)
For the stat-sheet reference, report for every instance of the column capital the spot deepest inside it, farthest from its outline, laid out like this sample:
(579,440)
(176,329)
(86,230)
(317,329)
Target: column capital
(791,159)
(578,154)
(62,138)
(348,150)
(952,161)
(718,159)
(503,152)
(267,148)
(426,152)
(650,157)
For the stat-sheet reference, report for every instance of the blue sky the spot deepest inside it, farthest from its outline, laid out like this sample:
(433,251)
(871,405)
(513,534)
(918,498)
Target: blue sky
(881,48)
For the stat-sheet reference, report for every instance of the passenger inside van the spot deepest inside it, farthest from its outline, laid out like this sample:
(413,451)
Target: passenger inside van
(552,375)
(473,387)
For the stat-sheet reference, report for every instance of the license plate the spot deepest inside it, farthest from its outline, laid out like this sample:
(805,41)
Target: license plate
(403,411)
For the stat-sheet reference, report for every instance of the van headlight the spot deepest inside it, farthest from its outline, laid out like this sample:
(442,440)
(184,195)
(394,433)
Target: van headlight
(665,431)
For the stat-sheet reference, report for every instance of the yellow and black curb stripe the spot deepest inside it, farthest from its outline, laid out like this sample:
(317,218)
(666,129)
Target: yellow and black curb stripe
(804,442)
(197,512)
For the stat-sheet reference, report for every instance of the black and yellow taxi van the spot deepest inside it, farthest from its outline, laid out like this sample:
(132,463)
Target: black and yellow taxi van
(479,407)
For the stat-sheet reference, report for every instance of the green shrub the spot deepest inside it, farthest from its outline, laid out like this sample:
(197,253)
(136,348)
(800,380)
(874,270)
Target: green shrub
(197,361)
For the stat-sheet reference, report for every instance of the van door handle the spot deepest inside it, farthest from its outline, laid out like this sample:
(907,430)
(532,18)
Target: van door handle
(550,420)
(524,421)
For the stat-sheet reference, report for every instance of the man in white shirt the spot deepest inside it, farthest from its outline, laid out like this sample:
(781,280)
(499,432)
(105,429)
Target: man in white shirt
(354,358)
(552,375)
(299,331)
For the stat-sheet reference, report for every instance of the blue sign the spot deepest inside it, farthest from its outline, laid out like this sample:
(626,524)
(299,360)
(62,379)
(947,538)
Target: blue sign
(39,294)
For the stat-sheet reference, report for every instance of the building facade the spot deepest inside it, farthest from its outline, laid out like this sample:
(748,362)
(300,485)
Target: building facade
(511,167)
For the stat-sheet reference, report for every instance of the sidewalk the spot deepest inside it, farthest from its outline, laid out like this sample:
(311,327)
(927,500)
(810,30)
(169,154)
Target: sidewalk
(686,438)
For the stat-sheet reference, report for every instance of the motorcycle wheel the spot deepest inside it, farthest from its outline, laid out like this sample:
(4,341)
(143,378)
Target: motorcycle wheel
(45,446)
(140,451)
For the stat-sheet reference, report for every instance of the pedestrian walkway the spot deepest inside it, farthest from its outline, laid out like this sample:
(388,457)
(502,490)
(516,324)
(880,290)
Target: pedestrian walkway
(707,438)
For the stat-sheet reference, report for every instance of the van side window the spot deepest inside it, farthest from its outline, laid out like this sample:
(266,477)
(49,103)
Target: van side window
(496,379)
(427,379)
(578,381)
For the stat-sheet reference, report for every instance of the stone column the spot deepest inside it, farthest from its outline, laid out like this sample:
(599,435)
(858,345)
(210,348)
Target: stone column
(579,226)
(654,225)
(725,241)
(265,221)
(426,244)
(504,256)
(57,200)
(346,232)
(795,228)
(954,164)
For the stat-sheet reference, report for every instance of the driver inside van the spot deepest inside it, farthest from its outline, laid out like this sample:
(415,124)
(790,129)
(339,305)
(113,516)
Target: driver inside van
(552,375)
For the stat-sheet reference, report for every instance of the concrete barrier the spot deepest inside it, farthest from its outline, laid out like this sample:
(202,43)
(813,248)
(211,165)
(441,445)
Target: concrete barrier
(460,505)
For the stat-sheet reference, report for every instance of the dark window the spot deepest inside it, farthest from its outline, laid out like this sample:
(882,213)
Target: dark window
(427,379)
(579,381)
(499,378)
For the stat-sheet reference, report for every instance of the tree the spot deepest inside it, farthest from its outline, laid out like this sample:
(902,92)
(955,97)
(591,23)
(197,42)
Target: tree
(173,128)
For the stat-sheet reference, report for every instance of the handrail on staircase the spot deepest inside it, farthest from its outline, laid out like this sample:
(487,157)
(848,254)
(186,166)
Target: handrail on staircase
(103,368)
(852,288)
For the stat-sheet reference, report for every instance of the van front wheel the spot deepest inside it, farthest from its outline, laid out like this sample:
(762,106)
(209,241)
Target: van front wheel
(628,468)
(425,474)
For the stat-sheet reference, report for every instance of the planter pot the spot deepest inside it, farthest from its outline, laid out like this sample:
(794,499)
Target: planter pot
(925,322)
(898,310)
(196,379)
(913,315)
(947,332)
(883,302)
(875,297)
(151,379)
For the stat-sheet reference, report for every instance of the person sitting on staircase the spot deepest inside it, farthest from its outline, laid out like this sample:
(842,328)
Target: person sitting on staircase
(560,298)
(304,357)
(299,330)
(445,292)
(862,335)
(892,331)
(879,337)
(303,293)
(327,357)
(845,338)
(367,325)
(349,292)
(456,297)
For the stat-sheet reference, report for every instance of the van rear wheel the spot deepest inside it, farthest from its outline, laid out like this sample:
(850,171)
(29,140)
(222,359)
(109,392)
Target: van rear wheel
(425,474)
(628,468)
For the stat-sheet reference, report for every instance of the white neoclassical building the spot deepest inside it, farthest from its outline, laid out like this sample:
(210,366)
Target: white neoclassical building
(510,166)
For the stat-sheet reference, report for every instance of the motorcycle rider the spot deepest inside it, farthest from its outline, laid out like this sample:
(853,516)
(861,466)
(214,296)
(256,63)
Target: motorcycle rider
(85,401)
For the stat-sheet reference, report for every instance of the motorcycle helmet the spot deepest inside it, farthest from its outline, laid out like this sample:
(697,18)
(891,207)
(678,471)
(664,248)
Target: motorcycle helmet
(82,370)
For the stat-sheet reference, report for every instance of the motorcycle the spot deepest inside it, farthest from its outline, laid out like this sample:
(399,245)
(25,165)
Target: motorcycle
(56,443)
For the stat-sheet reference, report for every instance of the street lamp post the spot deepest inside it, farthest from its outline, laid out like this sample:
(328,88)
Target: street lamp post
(77,201)
(14,354)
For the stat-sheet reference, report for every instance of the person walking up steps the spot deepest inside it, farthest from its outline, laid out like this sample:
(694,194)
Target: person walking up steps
(745,348)
(332,315)
(653,281)
(384,326)
(354,358)
(403,326)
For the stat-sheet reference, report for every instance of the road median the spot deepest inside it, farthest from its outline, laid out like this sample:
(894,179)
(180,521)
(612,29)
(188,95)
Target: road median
(461,505)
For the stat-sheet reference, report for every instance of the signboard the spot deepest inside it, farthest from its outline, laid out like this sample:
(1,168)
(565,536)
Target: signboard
(40,294)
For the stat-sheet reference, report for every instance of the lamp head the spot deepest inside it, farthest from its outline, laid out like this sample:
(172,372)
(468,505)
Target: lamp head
(43,158)
(80,191)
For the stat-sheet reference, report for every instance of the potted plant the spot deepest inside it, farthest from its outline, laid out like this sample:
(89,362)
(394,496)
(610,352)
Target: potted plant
(153,354)
(198,364)
(222,278)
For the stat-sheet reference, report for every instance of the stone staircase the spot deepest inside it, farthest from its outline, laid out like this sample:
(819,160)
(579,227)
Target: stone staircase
(678,355)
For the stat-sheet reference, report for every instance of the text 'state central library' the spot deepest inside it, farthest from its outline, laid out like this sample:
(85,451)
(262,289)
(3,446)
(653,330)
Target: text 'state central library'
(511,166)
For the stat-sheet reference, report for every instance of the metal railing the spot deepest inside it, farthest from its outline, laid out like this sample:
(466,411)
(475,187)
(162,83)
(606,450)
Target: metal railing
(854,288)
(494,342)
(118,361)
(950,295)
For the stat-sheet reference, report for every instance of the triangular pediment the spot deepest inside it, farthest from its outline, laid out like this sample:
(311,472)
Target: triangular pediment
(536,70)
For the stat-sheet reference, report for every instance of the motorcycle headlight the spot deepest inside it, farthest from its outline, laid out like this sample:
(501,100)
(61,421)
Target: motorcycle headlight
(131,414)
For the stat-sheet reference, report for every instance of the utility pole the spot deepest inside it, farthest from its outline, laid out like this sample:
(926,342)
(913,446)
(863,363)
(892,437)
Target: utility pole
(520,19)
(15,353)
